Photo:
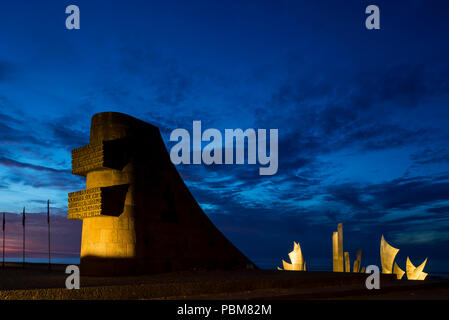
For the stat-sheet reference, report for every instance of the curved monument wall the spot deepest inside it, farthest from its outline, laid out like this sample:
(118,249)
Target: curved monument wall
(138,215)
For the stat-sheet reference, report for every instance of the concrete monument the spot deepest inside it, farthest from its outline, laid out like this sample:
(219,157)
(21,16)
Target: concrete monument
(138,215)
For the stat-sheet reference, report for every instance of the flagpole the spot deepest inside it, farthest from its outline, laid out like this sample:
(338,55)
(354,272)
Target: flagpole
(3,229)
(48,222)
(23,224)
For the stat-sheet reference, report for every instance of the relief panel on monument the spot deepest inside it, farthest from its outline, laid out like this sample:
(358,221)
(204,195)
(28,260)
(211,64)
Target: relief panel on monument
(94,202)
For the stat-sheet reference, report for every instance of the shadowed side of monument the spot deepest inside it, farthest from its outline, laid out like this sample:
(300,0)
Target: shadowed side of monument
(138,215)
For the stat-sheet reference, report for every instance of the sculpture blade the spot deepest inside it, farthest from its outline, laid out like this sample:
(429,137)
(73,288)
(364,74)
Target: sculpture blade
(296,259)
(398,271)
(387,255)
(347,262)
(358,261)
(296,255)
(422,276)
(287,266)
(335,251)
(415,273)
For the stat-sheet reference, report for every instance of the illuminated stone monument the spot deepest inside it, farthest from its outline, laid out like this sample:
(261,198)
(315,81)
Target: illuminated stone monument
(138,215)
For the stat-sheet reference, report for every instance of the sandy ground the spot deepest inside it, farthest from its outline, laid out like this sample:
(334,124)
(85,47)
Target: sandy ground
(37,282)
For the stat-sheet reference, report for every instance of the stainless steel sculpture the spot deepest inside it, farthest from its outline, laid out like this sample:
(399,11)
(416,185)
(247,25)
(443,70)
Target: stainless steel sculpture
(347,262)
(398,271)
(387,255)
(358,261)
(296,259)
(340,247)
(337,249)
(342,263)
(415,273)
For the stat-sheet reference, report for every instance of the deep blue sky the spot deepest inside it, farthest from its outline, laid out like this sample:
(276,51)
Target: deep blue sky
(362,115)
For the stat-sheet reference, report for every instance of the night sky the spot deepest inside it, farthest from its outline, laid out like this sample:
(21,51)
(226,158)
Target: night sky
(362,116)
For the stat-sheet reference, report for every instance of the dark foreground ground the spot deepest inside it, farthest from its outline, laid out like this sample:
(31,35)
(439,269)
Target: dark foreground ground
(37,282)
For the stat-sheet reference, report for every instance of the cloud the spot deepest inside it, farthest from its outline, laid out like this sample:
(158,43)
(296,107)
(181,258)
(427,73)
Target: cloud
(439,210)
(67,137)
(407,194)
(406,85)
(322,111)
(429,156)
(6,71)
(351,112)
(15,131)
(17,164)
(402,193)
(163,79)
